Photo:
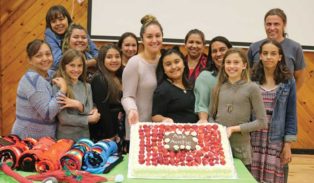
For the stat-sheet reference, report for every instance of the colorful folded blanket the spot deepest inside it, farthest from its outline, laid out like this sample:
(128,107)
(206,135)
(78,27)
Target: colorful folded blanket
(73,159)
(95,160)
(51,157)
(12,149)
(30,157)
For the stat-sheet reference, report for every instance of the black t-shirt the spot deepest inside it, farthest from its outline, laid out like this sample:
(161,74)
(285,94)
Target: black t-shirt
(175,103)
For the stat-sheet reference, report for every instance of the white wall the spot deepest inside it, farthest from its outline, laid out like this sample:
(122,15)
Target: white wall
(238,20)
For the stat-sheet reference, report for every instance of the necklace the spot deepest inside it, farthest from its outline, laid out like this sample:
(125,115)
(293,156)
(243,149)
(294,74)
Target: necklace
(181,87)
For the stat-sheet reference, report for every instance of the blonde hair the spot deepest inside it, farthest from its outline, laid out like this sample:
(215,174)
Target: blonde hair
(148,20)
(67,58)
(223,77)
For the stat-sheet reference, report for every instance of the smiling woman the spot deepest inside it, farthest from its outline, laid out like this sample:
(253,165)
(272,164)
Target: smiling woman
(139,76)
(36,105)
(58,20)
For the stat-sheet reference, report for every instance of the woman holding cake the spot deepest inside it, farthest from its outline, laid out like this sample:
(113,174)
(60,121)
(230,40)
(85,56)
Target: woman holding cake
(234,100)
(173,99)
(272,146)
(139,76)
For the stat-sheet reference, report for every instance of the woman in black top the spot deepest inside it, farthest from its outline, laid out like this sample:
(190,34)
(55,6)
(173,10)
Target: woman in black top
(173,100)
(107,92)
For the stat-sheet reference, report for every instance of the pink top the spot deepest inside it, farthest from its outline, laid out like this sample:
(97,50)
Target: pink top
(139,83)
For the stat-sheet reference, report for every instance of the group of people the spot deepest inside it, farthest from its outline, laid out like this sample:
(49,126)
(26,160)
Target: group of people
(73,90)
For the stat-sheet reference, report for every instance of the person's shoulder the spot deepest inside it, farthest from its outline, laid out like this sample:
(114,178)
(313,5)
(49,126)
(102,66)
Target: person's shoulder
(252,86)
(291,81)
(33,75)
(290,43)
(257,44)
(206,74)
(133,61)
(49,33)
(164,86)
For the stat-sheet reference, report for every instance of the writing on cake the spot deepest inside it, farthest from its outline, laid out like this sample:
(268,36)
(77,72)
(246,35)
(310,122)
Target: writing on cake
(179,140)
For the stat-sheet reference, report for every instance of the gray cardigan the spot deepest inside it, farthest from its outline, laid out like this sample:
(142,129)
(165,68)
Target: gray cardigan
(71,123)
(237,103)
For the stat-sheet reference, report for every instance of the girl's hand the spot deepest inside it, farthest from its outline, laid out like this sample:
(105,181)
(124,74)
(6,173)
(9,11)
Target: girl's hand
(94,116)
(167,120)
(67,102)
(285,156)
(133,117)
(60,83)
(229,131)
(232,129)
(202,121)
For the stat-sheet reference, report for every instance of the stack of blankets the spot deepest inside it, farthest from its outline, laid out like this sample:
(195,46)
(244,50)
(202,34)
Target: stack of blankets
(46,154)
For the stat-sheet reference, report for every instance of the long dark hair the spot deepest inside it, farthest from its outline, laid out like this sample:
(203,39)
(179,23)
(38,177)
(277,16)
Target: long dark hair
(210,63)
(281,74)
(113,94)
(160,72)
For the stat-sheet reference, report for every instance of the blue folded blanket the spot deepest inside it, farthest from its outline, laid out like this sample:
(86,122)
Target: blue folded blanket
(98,158)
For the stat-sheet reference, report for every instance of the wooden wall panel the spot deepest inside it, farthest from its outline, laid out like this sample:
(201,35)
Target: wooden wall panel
(22,21)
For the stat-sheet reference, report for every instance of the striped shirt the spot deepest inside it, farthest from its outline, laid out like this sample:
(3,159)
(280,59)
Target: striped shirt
(36,107)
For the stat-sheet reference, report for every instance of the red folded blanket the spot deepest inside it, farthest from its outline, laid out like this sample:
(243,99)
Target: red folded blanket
(12,149)
(29,158)
(69,176)
(51,157)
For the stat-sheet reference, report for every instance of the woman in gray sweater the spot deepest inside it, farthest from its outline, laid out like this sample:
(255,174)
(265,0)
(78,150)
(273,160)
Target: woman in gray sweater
(235,101)
(77,105)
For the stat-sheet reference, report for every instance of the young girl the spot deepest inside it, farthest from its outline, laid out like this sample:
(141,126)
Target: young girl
(107,93)
(77,105)
(128,45)
(58,20)
(271,146)
(173,99)
(234,100)
(36,105)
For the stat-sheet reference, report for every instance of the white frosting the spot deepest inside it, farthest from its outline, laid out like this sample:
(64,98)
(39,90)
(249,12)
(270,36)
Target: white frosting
(137,170)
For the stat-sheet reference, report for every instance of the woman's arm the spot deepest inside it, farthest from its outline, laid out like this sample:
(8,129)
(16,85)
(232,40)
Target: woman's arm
(202,91)
(130,79)
(291,115)
(55,45)
(160,103)
(161,118)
